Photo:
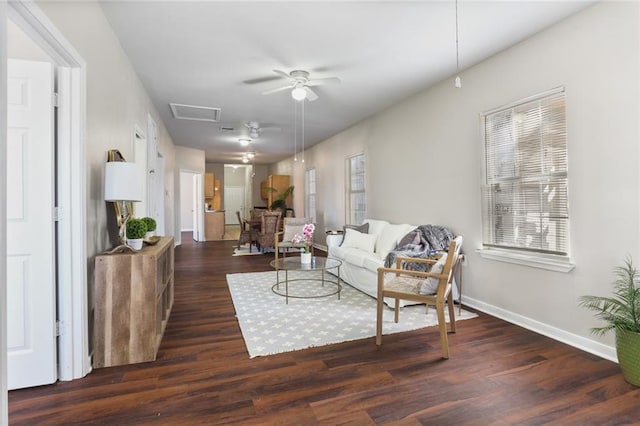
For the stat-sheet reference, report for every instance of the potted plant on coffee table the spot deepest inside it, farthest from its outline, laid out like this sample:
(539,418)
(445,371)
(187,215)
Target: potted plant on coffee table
(136,230)
(621,312)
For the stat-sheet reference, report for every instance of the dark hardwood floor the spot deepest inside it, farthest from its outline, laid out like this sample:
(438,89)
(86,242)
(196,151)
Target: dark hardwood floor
(498,373)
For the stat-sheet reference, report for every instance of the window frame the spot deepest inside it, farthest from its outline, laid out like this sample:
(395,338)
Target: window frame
(310,193)
(354,215)
(514,254)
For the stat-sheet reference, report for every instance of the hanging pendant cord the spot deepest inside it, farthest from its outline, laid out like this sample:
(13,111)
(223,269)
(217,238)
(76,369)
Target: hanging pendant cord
(457,49)
(295,131)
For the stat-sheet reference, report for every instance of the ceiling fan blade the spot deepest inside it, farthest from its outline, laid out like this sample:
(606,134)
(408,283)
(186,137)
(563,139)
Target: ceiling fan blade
(282,74)
(261,79)
(278,89)
(323,81)
(311,95)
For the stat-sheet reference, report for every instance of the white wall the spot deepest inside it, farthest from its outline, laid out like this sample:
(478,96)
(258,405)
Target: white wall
(116,103)
(186,201)
(4,410)
(424,165)
(193,161)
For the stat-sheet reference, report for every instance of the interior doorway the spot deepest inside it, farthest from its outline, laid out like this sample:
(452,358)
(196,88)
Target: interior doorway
(238,183)
(31,37)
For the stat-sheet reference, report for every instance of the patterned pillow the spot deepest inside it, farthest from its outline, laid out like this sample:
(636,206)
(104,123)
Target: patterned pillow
(290,231)
(430,285)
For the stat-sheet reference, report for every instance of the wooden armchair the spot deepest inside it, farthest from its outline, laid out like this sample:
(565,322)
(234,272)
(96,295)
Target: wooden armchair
(431,288)
(292,226)
(269,226)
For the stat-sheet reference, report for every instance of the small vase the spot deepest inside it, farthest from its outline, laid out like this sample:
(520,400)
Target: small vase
(149,234)
(305,257)
(135,244)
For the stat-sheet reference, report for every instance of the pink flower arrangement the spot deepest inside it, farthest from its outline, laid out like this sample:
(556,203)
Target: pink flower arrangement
(306,237)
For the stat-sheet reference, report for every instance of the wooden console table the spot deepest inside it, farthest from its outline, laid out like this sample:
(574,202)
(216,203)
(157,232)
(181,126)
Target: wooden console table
(133,300)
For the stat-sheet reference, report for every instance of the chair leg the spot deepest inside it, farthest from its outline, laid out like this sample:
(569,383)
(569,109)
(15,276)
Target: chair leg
(379,321)
(396,311)
(444,340)
(452,315)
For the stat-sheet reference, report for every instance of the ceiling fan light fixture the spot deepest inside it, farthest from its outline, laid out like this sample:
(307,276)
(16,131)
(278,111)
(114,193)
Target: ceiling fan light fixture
(299,93)
(244,141)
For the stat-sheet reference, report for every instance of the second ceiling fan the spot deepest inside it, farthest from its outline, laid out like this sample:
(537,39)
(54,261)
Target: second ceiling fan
(300,84)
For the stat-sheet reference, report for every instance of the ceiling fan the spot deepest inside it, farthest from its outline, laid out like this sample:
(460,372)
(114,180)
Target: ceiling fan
(255,128)
(300,84)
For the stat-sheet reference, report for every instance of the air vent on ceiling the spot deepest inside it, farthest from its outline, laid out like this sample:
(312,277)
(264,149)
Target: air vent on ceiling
(227,129)
(194,112)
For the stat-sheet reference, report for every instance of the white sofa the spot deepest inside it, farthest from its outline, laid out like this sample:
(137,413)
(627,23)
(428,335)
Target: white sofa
(362,255)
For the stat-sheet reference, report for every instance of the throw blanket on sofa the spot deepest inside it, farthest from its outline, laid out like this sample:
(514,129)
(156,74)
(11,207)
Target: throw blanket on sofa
(418,243)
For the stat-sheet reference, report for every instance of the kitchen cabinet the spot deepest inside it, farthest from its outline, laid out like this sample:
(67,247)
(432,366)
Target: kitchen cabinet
(133,300)
(209,185)
(214,225)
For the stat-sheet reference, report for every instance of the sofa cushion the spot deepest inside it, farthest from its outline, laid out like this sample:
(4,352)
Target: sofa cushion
(389,237)
(337,252)
(372,263)
(355,239)
(430,285)
(376,226)
(355,256)
(364,228)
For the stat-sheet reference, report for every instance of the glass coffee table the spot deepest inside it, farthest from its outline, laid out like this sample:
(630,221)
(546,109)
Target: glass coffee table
(298,270)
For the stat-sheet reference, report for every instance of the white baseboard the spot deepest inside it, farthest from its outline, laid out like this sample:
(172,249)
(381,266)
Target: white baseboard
(587,345)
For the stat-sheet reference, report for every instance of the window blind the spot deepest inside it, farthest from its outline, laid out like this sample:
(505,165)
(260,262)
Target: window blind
(357,205)
(525,195)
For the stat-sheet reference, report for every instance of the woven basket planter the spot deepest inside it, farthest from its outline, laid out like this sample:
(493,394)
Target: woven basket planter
(628,349)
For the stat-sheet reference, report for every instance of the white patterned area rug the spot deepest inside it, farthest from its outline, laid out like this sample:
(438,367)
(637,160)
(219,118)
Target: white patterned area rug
(270,326)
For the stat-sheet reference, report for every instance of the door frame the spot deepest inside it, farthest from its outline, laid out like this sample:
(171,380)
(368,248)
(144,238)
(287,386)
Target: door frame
(73,343)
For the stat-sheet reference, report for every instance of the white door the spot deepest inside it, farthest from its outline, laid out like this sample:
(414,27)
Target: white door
(198,207)
(152,172)
(31,292)
(233,202)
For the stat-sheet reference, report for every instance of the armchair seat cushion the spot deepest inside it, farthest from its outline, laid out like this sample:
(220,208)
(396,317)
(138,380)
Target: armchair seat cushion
(405,284)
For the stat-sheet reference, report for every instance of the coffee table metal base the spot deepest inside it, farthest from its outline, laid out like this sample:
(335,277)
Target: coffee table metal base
(334,287)
(294,265)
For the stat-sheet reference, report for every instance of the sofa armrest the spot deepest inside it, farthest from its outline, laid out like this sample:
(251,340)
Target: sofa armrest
(334,240)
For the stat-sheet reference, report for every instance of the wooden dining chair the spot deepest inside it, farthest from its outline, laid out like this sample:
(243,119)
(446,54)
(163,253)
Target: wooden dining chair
(431,288)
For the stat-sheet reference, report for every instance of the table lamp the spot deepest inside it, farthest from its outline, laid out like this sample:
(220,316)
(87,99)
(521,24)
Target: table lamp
(122,184)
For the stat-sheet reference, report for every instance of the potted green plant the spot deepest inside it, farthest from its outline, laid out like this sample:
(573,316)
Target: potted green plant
(621,312)
(281,200)
(136,230)
(151,226)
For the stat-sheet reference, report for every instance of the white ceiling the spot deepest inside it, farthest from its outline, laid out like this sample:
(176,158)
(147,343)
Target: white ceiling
(219,54)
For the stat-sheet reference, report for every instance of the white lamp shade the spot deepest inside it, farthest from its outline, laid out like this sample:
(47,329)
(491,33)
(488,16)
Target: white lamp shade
(122,181)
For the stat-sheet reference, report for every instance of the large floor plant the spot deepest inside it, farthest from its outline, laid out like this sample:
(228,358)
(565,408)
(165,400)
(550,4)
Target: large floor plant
(621,313)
